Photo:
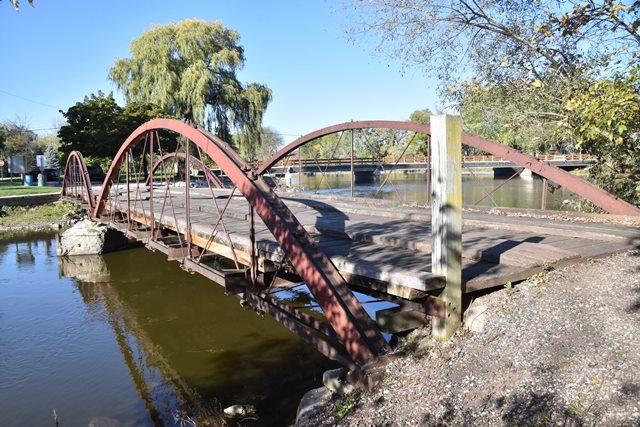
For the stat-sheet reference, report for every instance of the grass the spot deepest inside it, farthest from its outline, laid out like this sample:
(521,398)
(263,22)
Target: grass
(19,215)
(24,191)
(8,188)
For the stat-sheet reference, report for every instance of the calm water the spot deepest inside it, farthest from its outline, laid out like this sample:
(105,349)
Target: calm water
(131,338)
(476,190)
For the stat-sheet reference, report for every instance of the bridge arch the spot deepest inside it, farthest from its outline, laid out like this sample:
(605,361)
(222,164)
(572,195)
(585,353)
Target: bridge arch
(353,327)
(192,160)
(577,185)
(77,183)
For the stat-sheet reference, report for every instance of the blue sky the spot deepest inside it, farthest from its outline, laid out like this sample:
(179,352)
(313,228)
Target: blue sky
(57,52)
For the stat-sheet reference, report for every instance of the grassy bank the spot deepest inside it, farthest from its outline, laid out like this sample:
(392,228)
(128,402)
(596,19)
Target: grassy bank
(29,216)
(15,188)
(25,191)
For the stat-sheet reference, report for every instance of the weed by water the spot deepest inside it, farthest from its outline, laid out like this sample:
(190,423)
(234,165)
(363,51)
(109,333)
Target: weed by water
(342,407)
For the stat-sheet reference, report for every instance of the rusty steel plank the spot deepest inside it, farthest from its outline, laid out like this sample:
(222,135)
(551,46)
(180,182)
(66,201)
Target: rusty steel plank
(356,330)
(577,185)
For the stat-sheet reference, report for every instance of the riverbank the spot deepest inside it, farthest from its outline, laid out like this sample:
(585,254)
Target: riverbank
(26,219)
(559,349)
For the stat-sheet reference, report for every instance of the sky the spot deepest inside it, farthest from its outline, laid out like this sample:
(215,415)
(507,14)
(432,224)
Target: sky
(57,52)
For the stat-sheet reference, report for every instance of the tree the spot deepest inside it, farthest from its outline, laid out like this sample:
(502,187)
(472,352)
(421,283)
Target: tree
(528,74)
(98,126)
(20,141)
(497,40)
(189,69)
(270,142)
(420,145)
(604,120)
(16,4)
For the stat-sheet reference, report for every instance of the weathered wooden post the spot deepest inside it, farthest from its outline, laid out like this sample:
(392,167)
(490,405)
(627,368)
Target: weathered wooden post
(446,219)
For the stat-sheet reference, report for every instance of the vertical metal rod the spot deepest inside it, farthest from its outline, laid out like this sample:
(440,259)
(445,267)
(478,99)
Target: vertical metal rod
(353,171)
(543,203)
(151,210)
(300,168)
(187,183)
(252,236)
(127,159)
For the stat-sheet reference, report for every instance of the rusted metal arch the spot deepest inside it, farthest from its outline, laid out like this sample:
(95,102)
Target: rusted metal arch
(355,329)
(577,185)
(76,166)
(192,160)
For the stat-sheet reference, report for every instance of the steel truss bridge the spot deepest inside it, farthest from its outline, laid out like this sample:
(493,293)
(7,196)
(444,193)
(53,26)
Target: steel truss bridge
(256,242)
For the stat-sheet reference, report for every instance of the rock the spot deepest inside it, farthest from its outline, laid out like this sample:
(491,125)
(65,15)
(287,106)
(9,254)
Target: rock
(311,403)
(237,411)
(476,315)
(335,381)
(88,238)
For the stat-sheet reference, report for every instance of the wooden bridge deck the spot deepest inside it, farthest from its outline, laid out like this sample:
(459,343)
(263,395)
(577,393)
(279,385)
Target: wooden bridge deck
(387,248)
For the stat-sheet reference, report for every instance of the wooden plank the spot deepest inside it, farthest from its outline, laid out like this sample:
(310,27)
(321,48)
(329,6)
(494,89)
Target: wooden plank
(525,254)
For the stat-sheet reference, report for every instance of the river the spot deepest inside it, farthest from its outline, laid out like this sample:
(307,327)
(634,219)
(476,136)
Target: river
(130,339)
(477,189)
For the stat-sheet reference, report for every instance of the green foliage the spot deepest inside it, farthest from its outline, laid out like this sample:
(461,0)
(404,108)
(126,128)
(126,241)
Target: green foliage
(189,69)
(535,75)
(421,144)
(19,141)
(604,120)
(510,288)
(98,126)
(345,405)
(527,121)
(19,215)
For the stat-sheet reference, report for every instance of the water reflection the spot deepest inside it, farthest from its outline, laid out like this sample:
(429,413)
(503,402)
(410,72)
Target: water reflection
(477,189)
(186,343)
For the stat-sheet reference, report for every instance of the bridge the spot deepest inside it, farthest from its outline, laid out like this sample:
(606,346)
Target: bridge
(368,167)
(258,242)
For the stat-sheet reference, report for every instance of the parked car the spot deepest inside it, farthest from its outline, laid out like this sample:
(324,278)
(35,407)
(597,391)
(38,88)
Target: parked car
(96,173)
(49,174)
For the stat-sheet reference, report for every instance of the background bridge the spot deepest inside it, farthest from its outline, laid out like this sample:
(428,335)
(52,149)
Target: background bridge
(267,246)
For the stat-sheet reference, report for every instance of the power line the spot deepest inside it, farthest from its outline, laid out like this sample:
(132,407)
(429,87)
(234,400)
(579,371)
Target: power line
(28,100)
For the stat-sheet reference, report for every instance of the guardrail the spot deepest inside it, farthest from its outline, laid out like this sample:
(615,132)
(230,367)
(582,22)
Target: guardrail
(294,161)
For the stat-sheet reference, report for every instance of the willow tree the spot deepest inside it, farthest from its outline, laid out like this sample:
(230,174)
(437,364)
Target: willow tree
(189,69)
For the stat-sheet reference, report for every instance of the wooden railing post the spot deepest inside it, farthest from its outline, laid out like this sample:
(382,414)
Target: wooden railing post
(446,219)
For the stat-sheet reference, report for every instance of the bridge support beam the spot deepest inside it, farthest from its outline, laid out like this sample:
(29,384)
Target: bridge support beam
(446,219)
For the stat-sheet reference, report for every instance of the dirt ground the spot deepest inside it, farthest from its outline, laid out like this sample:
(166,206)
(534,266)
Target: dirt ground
(562,348)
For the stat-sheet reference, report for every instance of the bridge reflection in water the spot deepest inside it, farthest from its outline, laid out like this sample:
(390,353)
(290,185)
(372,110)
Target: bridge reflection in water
(187,344)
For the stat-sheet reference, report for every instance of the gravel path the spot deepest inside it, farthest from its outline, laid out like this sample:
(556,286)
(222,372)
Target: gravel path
(562,348)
